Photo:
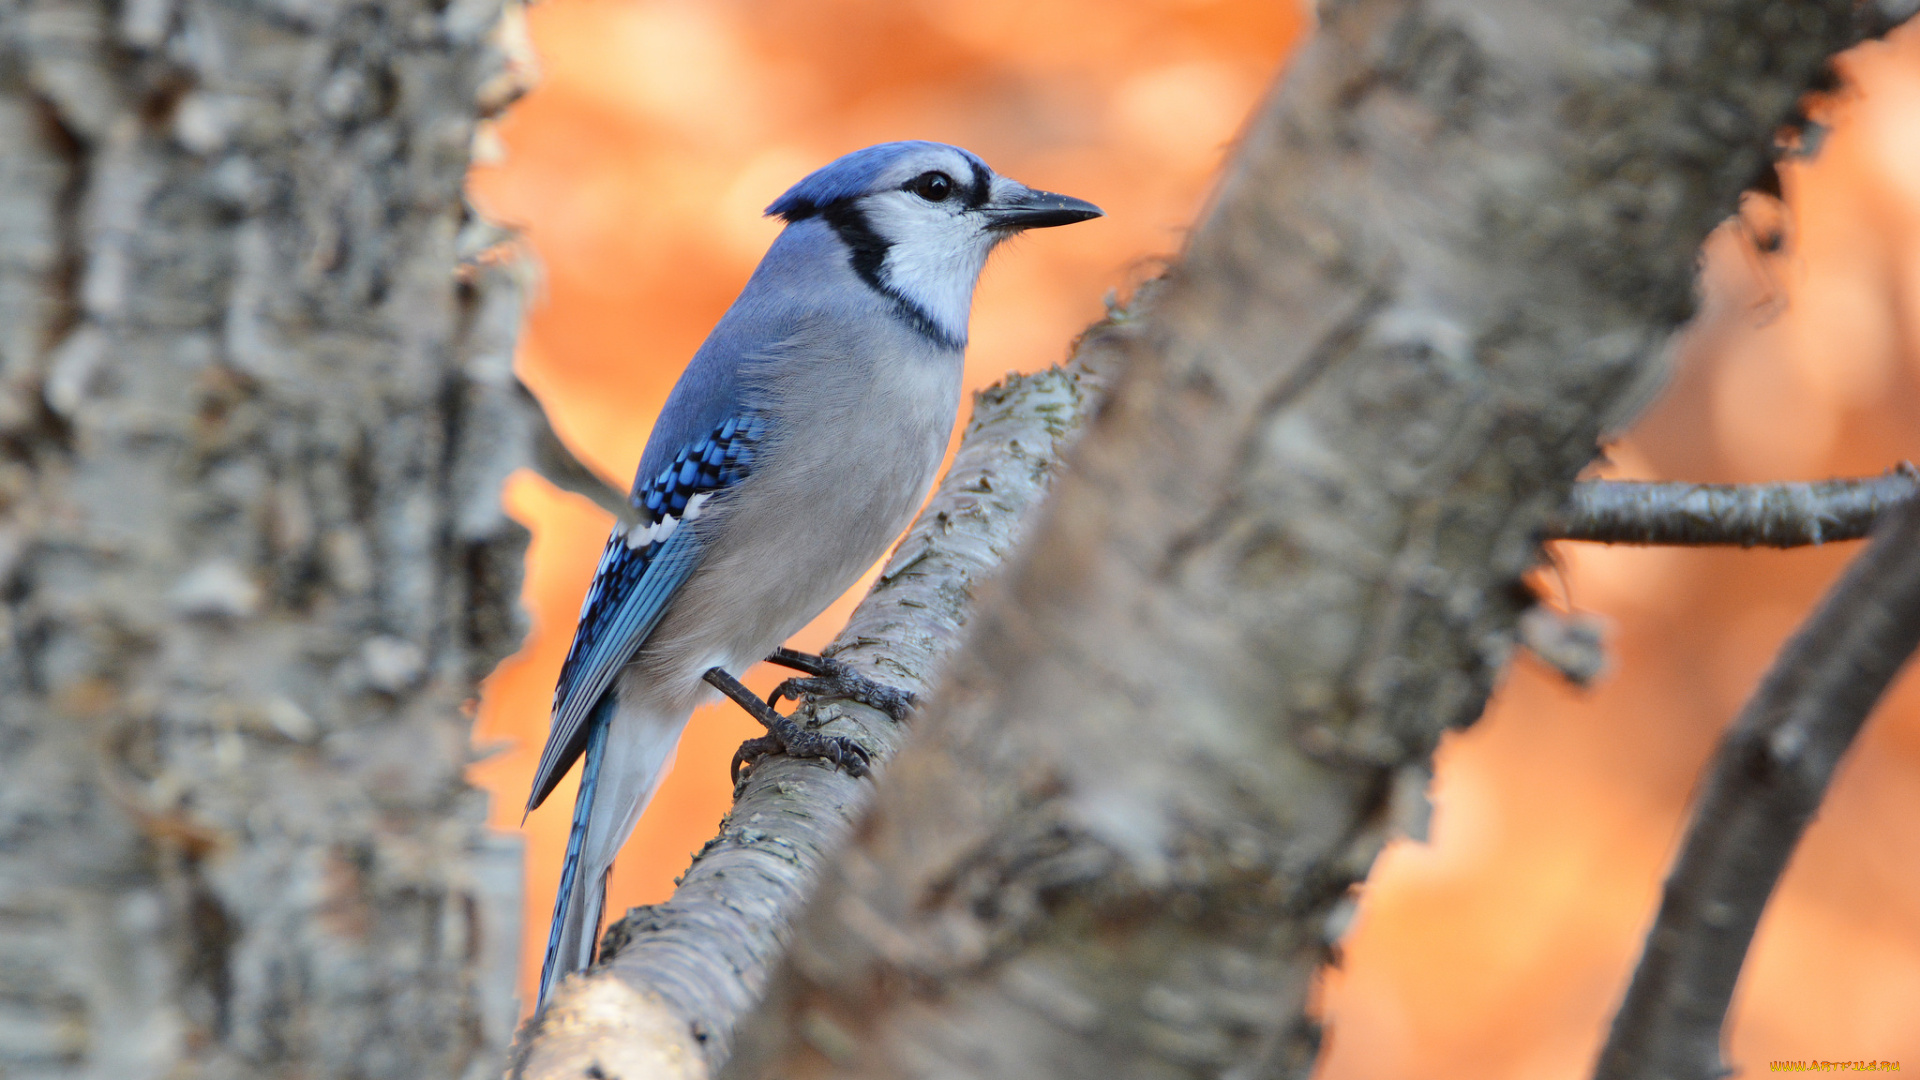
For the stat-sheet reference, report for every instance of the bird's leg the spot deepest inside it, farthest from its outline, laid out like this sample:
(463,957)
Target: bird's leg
(784,735)
(832,678)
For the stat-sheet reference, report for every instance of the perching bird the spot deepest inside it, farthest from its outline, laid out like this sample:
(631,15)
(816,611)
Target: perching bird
(797,444)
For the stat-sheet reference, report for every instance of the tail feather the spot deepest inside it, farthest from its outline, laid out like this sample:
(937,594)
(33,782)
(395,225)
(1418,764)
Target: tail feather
(576,907)
(629,750)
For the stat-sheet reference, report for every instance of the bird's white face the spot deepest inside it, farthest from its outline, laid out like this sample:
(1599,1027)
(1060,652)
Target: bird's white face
(927,225)
(937,240)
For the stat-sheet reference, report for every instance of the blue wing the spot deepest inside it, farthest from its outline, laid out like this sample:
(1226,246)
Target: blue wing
(639,572)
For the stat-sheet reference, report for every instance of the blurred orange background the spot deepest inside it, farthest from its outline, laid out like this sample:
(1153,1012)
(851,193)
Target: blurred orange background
(638,168)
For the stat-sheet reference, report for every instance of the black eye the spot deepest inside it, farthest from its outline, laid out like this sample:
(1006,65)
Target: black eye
(931,186)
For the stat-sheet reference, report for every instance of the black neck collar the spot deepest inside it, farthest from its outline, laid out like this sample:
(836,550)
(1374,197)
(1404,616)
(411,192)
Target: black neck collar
(867,253)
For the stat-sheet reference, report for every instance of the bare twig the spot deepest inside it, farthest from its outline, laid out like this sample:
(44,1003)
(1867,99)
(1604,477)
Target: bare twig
(558,465)
(1763,786)
(684,970)
(1749,515)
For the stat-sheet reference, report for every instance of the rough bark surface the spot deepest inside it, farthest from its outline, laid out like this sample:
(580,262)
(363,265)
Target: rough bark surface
(1764,785)
(1287,553)
(685,970)
(253,430)
(1749,515)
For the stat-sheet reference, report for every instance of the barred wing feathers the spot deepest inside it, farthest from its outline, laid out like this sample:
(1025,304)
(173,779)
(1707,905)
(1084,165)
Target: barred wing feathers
(639,572)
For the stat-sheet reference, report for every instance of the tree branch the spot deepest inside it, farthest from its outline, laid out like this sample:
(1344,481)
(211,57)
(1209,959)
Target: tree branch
(558,465)
(1763,787)
(1750,515)
(690,966)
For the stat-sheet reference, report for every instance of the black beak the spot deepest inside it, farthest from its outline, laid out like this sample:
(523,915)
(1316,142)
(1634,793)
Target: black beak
(1040,210)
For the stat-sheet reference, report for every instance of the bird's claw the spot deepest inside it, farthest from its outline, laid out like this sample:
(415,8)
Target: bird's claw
(837,679)
(825,678)
(790,739)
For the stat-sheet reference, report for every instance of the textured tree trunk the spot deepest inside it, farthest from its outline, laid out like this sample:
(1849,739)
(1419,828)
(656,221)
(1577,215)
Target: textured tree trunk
(253,429)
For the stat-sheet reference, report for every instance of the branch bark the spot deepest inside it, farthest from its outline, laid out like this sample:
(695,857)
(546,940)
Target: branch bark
(1747,515)
(1763,786)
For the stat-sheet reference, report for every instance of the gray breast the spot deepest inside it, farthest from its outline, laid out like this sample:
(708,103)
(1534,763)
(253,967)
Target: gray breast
(858,430)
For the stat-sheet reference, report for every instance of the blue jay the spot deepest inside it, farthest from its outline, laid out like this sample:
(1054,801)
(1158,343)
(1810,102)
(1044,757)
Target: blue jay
(797,444)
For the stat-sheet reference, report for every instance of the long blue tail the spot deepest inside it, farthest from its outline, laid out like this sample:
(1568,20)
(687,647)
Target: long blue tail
(597,725)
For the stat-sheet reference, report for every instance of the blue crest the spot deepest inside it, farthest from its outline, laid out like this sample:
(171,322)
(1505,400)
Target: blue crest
(854,174)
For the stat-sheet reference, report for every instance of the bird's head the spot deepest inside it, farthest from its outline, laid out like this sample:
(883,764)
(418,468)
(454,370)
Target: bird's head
(918,220)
